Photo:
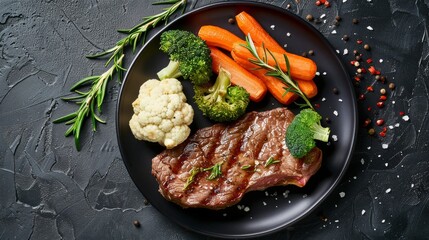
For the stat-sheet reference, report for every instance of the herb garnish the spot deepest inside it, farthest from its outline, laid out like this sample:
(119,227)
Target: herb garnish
(91,101)
(246,167)
(270,161)
(216,171)
(275,71)
(194,171)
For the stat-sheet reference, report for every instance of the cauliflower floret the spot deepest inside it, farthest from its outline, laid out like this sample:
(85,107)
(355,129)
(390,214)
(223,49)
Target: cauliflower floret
(161,113)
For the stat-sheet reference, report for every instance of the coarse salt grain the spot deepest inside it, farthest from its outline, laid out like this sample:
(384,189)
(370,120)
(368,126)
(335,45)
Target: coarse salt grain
(362,161)
(285,45)
(335,138)
(340,100)
(265,204)
(224,214)
(405,118)
(344,1)
(338,51)
(363,212)
(246,209)
(288,34)
(317,73)
(383,221)
(336,113)
(412,185)
(381,60)
(384,145)
(334,32)
(370,28)
(397,125)
(388,190)
(386,164)
(324,73)
(342,194)
(273,27)
(323,99)
(345,51)
(323,15)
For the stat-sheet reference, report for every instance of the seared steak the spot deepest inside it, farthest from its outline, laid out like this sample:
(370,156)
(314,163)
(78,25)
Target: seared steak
(244,149)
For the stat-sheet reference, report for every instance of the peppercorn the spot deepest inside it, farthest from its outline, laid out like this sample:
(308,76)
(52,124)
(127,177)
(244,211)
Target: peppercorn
(380,104)
(371,131)
(336,23)
(358,58)
(345,38)
(391,86)
(383,91)
(327,120)
(379,122)
(357,64)
(355,52)
(366,47)
(145,202)
(377,77)
(318,3)
(231,20)
(310,17)
(136,223)
(383,98)
(304,54)
(327,4)
(335,90)
(355,21)
(382,79)
(338,18)
(311,52)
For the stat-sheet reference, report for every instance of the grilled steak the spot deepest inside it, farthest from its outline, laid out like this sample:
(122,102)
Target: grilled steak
(244,150)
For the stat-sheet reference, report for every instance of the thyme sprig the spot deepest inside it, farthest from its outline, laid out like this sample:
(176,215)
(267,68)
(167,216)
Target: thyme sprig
(275,71)
(91,101)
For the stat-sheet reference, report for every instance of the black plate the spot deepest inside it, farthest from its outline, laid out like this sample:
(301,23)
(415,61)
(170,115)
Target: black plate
(278,207)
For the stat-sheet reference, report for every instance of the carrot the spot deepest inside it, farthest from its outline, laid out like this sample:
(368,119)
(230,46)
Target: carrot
(239,76)
(249,25)
(274,85)
(309,88)
(300,67)
(218,37)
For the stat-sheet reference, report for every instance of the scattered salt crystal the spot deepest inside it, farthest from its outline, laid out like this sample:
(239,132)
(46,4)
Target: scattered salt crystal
(323,99)
(317,73)
(335,138)
(363,212)
(288,34)
(393,102)
(304,196)
(336,220)
(354,177)
(384,145)
(381,60)
(336,205)
(239,207)
(391,127)
(266,193)
(336,113)
(342,194)
(340,100)
(265,204)
(406,118)
(324,73)
(369,147)
(338,51)
(383,221)
(412,185)
(323,15)
(369,28)
(386,164)
(289,201)
(397,176)
(388,190)
(379,155)
(346,51)
(397,125)
(362,161)
(334,31)
(344,1)
(273,27)
(246,209)
(286,194)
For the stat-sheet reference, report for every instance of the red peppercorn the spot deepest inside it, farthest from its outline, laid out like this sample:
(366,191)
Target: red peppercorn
(373,71)
(369,60)
(402,113)
(363,70)
(318,3)
(370,89)
(316,105)
(359,41)
(366,122)
(361,97)
(383,98)
(380,104)
(327,4)
(379,122)
(353,62)
(369,109)
(357,79)
(382,134)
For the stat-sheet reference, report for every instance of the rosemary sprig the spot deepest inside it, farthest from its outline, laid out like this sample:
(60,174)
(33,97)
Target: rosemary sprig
(216,171)
(91,101)
(270,161)
(275,71)
(194,171)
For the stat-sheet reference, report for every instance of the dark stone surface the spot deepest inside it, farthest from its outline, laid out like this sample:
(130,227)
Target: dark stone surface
(51,191)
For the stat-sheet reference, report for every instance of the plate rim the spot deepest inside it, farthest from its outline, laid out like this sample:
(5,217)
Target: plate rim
(354,130)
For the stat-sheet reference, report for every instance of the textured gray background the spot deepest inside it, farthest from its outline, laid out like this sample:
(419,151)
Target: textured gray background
(51,191)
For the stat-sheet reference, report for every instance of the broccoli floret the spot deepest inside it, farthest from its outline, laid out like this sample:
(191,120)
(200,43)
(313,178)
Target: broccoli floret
(221,102)
(189,57)
(303,131)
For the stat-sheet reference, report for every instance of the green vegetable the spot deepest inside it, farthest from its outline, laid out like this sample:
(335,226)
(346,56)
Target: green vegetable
(215,171)
(90,101)
(270,161)
(189,57)
(221,102)
(303,131)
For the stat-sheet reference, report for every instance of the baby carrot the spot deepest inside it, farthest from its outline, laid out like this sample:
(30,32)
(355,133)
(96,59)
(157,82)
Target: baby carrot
(300,67)
(218,37)
(239,76)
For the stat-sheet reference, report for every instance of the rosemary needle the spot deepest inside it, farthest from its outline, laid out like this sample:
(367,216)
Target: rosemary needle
(275,71)
(91,101)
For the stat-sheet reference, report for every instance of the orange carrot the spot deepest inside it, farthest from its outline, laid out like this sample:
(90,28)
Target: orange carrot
(274,85)
(249,25)
(239,76)
(300,67)
(218,37)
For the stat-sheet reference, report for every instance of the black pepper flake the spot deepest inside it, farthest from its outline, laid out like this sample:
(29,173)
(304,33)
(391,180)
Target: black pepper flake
(338,18)
(231,21)
(345,38)
(327,120)
(304,54)
(336,23)
(145,202)
(358,58)
(136,223)
(317,20)
(355,21)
